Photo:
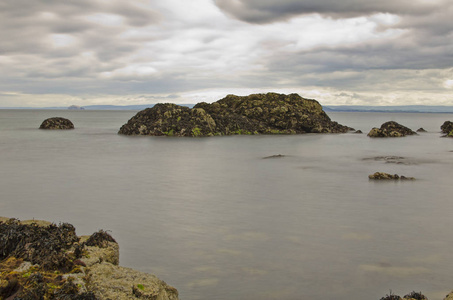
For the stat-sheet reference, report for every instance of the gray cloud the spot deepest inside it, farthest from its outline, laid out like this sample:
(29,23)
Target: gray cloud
(126,50)
(265,11)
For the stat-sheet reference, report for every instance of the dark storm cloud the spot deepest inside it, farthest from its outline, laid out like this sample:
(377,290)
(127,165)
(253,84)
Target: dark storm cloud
(266,11)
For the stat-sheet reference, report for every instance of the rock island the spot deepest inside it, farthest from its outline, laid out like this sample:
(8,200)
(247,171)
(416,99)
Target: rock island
(269,113)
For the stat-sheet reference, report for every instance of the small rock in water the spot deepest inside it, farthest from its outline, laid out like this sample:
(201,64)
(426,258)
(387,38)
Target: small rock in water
(274,156)
(391,129)
(56,123)
(421,129)
(387,176)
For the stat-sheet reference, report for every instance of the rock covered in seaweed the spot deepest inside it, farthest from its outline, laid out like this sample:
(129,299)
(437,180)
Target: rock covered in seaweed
(56,123)
(50,262)
(269,113)
(391,129)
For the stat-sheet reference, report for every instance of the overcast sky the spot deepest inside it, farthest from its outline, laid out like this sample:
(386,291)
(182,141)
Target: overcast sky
(353,52)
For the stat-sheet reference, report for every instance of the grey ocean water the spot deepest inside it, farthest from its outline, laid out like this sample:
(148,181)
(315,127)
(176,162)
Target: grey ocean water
(213,218)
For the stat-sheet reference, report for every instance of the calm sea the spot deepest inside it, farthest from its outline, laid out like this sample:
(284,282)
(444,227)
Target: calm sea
(213,218)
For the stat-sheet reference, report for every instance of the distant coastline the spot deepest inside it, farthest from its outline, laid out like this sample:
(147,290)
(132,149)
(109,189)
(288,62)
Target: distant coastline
(390,109)
(327,108)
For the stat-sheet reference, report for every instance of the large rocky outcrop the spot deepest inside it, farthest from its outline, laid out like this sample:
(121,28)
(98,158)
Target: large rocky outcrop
(56,123)
(269,113)
(39,260)
(447,128)
(391,129)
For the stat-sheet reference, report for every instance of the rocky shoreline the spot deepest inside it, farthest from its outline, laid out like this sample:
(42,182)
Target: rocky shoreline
(40,260)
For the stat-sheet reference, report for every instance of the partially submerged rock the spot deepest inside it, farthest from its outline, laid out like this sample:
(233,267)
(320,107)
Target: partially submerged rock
(51,262)
(387,176)
(447,128)
(421,129)
(274,156)
(269,113)
(410,296)
(391,129)
(56,123)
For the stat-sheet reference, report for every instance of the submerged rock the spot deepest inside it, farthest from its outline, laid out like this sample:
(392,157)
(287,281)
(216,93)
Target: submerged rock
(391,129)
(421,129)
(51,262)
(387,176)
(56,123)
(274,156)
(269,113)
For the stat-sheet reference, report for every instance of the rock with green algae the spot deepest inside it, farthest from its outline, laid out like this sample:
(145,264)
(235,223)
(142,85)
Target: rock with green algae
(269,113)
(391,129)
(92,266)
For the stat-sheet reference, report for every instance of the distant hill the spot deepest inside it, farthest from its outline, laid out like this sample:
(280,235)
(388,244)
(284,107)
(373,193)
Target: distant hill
(399,109)
(328,108)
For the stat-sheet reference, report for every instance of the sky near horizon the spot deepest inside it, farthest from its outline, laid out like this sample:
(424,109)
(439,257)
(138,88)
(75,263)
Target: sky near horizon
(349,52)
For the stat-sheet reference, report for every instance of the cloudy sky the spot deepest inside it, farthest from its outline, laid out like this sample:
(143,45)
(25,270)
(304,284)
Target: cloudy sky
(353,52)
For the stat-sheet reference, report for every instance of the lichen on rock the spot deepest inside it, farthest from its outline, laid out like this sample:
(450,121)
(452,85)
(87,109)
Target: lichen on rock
(391,129)
(269,113)
(56,123)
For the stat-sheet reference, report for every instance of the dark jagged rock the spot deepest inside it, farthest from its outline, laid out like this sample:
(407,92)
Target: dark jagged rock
(447,128)
(421,129)
(56,123)
(391,129)
(269,113)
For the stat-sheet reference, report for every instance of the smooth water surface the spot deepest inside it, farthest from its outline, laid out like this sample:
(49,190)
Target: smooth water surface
(213,218)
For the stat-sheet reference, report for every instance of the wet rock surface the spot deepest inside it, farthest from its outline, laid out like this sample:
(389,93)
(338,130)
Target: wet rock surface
(421,129)
(269,113)
(45,261)
(391,129)
(56,123)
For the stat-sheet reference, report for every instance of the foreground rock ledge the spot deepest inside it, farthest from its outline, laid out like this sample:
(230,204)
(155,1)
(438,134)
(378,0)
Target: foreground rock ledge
(40,260)
(56,123)
(269,113)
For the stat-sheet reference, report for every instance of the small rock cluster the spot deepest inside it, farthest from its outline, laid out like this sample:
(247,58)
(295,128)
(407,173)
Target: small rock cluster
(411,296)
(387,176)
